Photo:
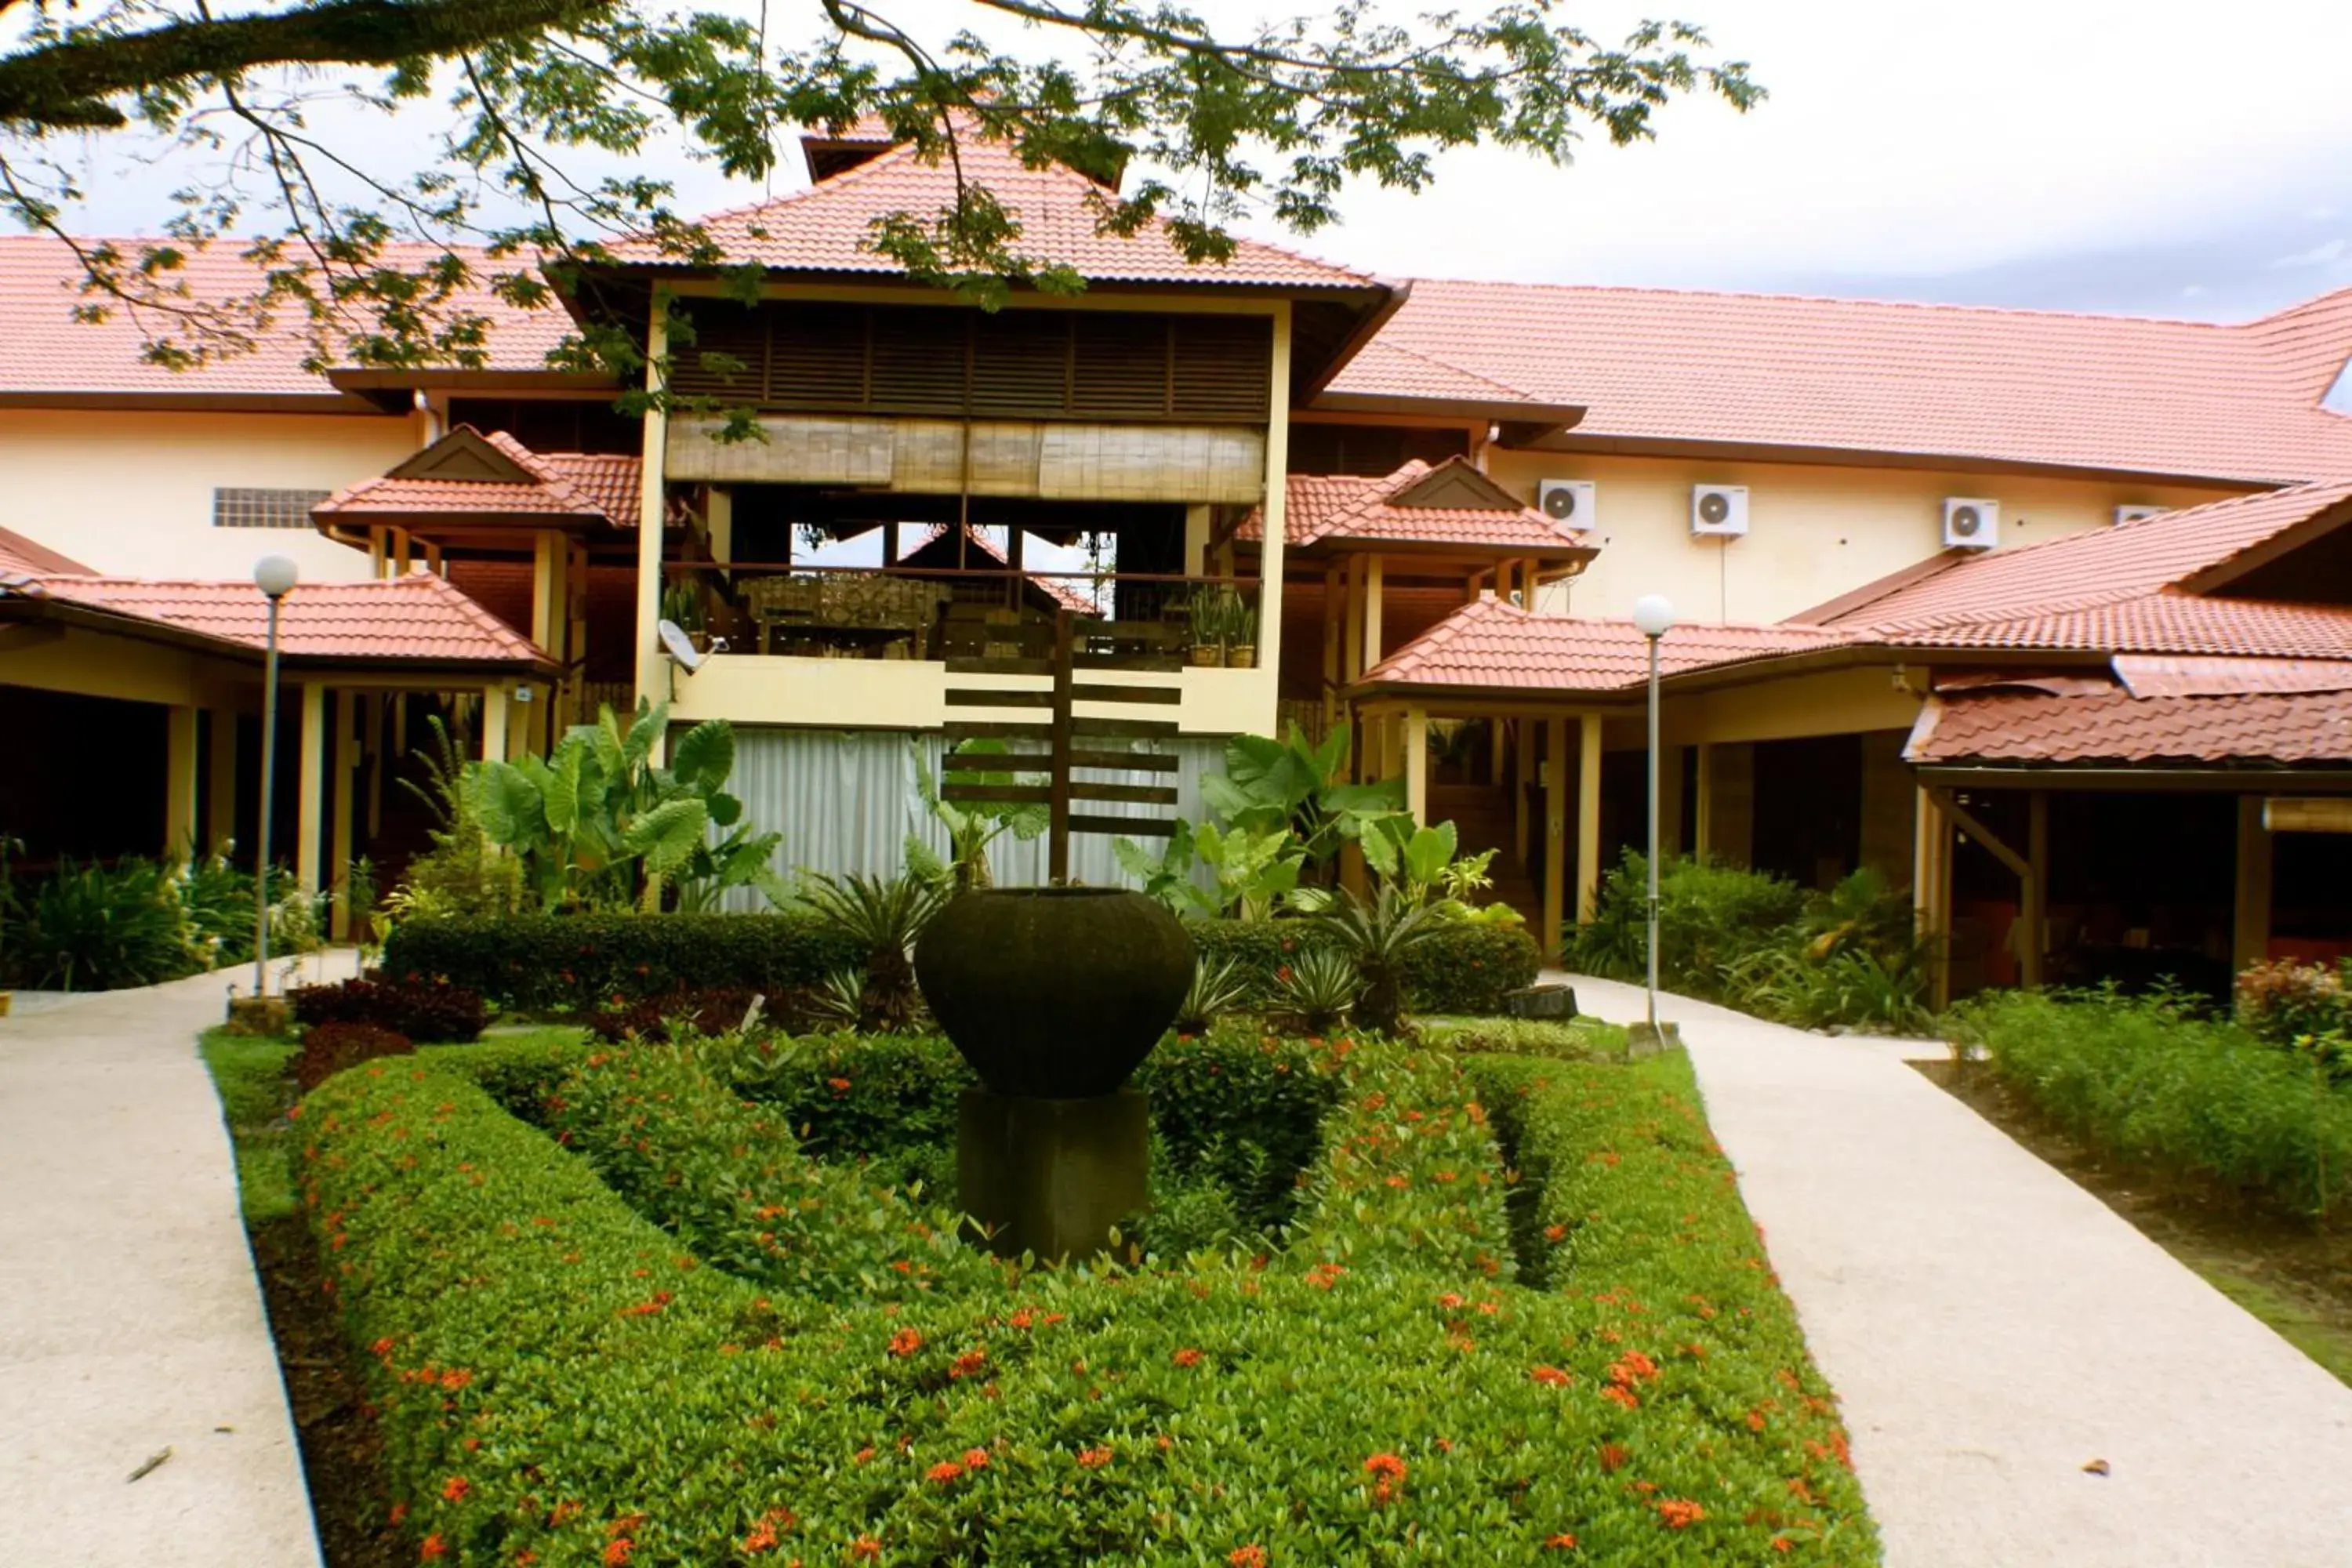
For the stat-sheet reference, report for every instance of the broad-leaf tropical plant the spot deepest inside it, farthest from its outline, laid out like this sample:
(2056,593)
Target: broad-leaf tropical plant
(1301,788)
(971,828)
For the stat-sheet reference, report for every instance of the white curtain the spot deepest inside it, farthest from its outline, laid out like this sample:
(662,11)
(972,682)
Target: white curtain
(846,800)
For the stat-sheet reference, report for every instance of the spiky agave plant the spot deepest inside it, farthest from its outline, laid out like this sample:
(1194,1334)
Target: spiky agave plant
(1218,987)
(1319,989)
(1376,934)
(884,916)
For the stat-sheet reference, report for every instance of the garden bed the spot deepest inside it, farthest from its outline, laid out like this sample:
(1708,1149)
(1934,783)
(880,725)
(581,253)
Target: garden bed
(613,1312)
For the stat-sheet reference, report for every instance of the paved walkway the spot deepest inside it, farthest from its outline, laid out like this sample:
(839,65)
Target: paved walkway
(1991,1328)
(130,1321)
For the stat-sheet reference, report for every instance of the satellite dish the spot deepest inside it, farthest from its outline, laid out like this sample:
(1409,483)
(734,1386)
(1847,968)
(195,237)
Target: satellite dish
(680,647)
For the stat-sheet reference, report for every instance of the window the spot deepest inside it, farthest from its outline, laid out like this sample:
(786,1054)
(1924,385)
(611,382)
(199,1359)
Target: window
(234,507)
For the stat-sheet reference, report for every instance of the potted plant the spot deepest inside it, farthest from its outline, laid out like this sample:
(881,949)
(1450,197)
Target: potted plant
(681,605)
(1205,611)
(1241,633)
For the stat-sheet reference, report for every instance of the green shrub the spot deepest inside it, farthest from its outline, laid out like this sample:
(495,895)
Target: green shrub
(330,1049)
(2149,1079)
(2284,1000)
(1464,967)
(556,1377)
(1577,1039)
(578,963)
(91,927)
(888,1102)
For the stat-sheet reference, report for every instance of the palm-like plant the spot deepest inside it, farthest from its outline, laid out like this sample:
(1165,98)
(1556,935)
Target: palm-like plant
(1317,993)
(1217,988)
(884,916)
(1376,934)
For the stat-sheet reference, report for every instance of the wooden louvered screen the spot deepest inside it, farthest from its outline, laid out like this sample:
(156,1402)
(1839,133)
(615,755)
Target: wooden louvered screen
(1015,364)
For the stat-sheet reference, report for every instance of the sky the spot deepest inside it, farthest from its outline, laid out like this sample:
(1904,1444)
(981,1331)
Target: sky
(2162,158)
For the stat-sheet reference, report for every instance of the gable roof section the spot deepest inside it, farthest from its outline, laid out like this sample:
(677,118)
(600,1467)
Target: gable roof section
(1489,644)
(1659,368)
(825,228)
(2020,729)
(1449,504)
(417,619)
(494,477)
(53,360)
(22,557)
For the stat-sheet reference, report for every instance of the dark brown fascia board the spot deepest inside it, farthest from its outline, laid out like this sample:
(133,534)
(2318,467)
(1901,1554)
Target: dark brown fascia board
(2139,778)
(1452,410)
(1582,442)
(339,403)
(139,628)
(2285,542)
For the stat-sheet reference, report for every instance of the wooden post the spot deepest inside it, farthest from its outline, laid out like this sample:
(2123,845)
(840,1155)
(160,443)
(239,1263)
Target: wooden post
(1524,733)
(1057,805)
(2249,937)
(1373,574)
(311,814)
(1334,670)
(347,772)
(1352,652)
(1588,819)
(372,725)
(1931,893)
(1275,544)
(2035,904)
(1416,764)
(1703,826)
(494,722)
(651,687)
(179,786)
(220,809)
(550,620)
(1555,832)
(1670,800)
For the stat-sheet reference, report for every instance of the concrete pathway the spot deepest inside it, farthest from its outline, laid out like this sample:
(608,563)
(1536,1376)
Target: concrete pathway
(130,1321)
(1991,1328)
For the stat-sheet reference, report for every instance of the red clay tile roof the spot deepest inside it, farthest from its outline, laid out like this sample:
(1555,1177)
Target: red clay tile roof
(2159,675)
(417,618)
(826,227)
(1056,588)
(2017,728)
(1491,645)
(576,485)
(21,557)
(2237,403)
(2166,622)
(1345,506)
(47,352)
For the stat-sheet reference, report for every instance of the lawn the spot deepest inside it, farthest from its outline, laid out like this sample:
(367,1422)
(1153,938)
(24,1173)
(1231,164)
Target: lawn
(708,1306)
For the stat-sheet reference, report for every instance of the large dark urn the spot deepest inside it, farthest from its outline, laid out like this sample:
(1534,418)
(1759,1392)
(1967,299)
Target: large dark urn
(1054,993)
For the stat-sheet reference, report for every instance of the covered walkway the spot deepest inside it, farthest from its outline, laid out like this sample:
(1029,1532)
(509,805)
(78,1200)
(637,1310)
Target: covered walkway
(1991,1328)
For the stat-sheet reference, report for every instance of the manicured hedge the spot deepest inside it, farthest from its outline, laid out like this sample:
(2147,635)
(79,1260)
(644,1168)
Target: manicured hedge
(1463,968)
(563,1381)
(568,964)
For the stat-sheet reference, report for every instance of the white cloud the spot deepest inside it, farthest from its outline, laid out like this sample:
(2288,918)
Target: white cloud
(2321,255)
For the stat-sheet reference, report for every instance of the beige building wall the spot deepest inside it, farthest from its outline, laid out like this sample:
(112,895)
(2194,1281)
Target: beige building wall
(1814,531)
(131,491)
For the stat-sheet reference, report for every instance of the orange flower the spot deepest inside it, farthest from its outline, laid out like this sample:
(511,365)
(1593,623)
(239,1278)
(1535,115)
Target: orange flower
(1563,1541)
(455,1487)
(975,1459)
(972,1363)
(1449,1301)
(1094,1458)
(1555,1232)
(1186,1357)
(1621,1396)
(865,1549)
(838,1085)
(616,1552)
(1680,1513)
(906,1342)
(434,1547)
(1250,1556)
(1550,1376)
(862,1455)
(946,1470)
(1782,1543)
(1387,1464)
(1612,1459)
(1633,1367)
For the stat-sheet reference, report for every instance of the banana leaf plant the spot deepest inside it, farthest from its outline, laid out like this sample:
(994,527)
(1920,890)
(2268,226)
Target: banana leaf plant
(1254,871)
(598,825)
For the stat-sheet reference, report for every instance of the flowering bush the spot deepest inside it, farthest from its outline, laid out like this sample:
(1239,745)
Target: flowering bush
(441,1013)
(1434,1371)
(2284,1000)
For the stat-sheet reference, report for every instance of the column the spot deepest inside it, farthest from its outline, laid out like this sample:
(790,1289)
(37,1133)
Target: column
(1524,732)
(180,784)
(1372,573)
(651,686)
(494,722)
(1270,550)
(1555,797)
(1670,799)
(2034,895)
(220,808)
(311,814)
(550,619)
(1416,764)
(1702,824)
(347,778)
(1352,647)
(1334,674)
(2250,939)
(1588,819)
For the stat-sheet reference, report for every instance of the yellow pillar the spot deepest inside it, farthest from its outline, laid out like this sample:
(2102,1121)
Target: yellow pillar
(2250,940)
(1588,819)
(1703,828)
(550,621)
(1353,649)
(1334,674)
(347,778)
(494,723)
(1271,551)
(1416,764)
(2035,912)
(220,810)
(1372,573)
(1523,755)
(180,784)
(1555,794)
(1931,891)
(311,814)
(651,686)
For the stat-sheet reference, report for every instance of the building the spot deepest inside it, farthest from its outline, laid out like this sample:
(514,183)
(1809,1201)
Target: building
(1908,546)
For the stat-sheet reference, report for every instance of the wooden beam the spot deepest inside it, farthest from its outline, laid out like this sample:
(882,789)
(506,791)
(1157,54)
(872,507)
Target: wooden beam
(1931,891)
(1588,819)
(1136,826)
(2322,814)
(1968,822)
(494,722)
(652,452)
(1555,797)
(1334,618)
(1524,732)
(2249,935)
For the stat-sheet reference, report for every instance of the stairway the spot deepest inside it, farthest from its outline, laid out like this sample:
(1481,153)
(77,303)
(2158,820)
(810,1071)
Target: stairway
(1483,819)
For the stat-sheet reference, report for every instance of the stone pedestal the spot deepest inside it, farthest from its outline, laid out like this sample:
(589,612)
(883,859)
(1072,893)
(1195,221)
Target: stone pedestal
(1052,1176)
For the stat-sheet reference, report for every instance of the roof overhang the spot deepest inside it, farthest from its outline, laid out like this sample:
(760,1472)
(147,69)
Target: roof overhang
(37,609)
(393,391)
(2135,778)
(1525,417)
(154,401)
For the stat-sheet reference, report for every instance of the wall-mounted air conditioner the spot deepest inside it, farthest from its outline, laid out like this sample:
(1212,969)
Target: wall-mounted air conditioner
(1571,503)
(2132,512)
(1971,523)
(1719,511)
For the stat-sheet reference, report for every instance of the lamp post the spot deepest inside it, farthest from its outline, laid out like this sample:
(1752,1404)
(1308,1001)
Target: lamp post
(274,575)
(1654,617)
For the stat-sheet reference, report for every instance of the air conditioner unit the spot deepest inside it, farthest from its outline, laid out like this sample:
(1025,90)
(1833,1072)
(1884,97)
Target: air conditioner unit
(1571,503)
(1971,523)
(1719,511)
(2134,511)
